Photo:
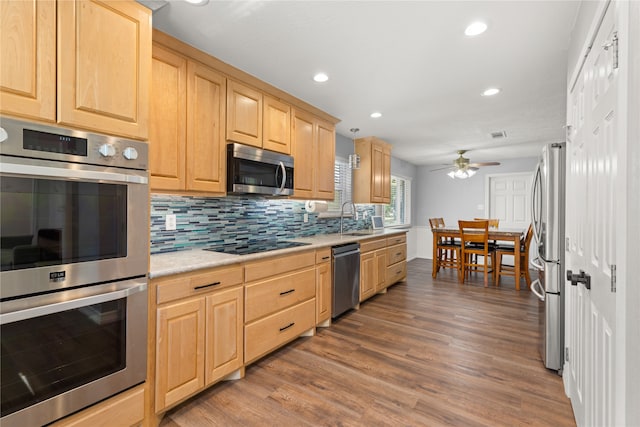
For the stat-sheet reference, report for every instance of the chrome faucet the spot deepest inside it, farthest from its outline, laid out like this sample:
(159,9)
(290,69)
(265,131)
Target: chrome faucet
(342,213)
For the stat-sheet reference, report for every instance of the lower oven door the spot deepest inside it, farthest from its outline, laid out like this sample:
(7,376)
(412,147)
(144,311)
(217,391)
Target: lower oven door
(64,351)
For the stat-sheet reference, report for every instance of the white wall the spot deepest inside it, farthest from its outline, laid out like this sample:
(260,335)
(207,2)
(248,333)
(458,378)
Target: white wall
(437,195)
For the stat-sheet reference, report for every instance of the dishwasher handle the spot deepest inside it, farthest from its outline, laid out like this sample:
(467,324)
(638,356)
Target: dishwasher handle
(356,251)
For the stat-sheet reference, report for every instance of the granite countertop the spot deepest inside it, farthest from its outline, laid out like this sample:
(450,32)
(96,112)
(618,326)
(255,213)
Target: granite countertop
(169,263)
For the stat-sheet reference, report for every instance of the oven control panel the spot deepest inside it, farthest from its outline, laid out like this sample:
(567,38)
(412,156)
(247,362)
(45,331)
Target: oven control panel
(37,141)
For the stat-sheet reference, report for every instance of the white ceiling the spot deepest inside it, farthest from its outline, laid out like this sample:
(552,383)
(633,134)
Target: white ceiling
(409,60)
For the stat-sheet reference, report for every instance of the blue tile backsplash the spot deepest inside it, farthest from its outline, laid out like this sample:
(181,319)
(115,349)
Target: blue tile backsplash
(205,221)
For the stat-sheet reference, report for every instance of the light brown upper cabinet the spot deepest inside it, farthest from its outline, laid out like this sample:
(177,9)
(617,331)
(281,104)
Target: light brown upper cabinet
(254,118)
(314,150)
(28,59)
(168,120)
(276,129)
(97,80)
(187,151)
(372,182)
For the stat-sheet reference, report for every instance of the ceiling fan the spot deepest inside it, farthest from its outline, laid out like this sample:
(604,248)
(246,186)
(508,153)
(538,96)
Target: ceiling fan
(462,167)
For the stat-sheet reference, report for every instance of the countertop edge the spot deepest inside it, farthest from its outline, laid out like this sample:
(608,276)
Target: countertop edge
(172,263)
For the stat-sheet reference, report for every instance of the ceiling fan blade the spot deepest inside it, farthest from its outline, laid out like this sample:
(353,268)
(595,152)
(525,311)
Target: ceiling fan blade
(484,164)
(444,168)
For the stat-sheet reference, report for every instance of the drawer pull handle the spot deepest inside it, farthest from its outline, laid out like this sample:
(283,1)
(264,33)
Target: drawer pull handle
(287,327)
(399,271)
(398,253)
(206,286)
(287,292)
(326,257)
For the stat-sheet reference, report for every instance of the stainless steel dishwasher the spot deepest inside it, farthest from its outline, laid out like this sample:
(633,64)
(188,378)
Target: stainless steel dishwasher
(346,277)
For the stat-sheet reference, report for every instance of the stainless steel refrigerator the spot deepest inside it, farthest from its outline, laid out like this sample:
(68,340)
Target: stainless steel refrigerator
(548,204)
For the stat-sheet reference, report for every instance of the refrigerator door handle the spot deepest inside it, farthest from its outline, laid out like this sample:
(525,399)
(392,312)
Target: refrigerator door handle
(536,213)
(535,263)
(535,285)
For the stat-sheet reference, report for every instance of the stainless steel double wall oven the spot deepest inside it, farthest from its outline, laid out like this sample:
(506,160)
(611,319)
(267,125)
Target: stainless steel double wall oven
(74,260)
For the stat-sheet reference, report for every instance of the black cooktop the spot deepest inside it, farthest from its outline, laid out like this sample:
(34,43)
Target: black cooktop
(255,247)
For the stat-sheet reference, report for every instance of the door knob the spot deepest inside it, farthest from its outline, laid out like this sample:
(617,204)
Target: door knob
(581,277)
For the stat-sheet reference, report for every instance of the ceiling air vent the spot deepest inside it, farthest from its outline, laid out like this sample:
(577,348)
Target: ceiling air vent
(498,135)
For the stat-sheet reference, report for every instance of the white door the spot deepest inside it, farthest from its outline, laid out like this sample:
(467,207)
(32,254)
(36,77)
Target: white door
(592,200)
(510,199)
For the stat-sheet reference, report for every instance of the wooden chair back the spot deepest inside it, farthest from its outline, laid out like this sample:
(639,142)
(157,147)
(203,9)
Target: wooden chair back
(436,222)
(493,222)
(474,232)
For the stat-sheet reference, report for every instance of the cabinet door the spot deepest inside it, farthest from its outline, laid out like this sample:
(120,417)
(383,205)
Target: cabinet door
(244,114)
(303,152)
(368,275)
(276,126)
(323,292)
(179,351)
(168,116)
(386,174)
(206,166)
(28,64)
(381,268)
(104,60)
(377,173)
(224,331)
(325,161)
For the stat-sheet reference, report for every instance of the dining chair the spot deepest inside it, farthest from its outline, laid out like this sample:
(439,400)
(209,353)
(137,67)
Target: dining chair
(474,236)
(493,222)
(447,250)
(509,270)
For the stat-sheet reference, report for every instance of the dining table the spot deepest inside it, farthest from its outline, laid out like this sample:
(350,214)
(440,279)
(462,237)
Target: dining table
(512,235)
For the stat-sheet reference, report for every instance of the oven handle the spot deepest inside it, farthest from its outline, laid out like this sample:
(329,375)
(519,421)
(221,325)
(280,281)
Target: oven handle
(83,301)
(46,171)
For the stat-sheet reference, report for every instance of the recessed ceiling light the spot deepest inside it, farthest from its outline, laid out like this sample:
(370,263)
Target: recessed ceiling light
(321,77)
(376,115)
(475,29)
(197,2)
(491,91)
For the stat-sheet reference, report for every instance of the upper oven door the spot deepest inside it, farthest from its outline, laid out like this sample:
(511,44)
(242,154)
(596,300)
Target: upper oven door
(65,225)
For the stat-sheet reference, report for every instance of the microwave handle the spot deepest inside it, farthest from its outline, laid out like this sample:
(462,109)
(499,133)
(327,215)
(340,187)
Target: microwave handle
(43,310)
(47,171)
(284,177)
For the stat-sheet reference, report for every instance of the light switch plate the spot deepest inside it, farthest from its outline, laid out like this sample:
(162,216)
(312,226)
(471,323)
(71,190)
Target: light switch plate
(170,222)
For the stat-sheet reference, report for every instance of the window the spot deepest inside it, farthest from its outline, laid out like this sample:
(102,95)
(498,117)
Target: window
(398,212)
(342,180)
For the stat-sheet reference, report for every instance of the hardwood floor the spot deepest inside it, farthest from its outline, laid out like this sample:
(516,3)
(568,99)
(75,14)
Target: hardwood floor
(426,353)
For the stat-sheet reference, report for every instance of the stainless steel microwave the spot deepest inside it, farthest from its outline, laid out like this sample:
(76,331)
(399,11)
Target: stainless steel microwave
(251,170)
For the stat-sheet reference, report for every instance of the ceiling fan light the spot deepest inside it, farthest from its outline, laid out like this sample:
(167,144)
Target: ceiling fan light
(452,175)
(471,172)
(461,174)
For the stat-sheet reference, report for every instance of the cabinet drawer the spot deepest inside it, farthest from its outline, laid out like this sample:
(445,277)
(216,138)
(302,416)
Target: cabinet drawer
(395,240)
(372,245)
(271,332)
(396,253)
(323,255)
(125,409)
(272,295)
(185,285)
(277,265)
(396,272)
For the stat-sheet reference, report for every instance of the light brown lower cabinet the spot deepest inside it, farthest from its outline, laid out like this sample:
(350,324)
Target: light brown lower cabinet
(123,410)
(323,286)
(378,256)
(199,332)
(280,302)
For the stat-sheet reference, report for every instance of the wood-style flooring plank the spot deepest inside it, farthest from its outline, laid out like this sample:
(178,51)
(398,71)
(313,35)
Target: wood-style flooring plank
(426,353)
